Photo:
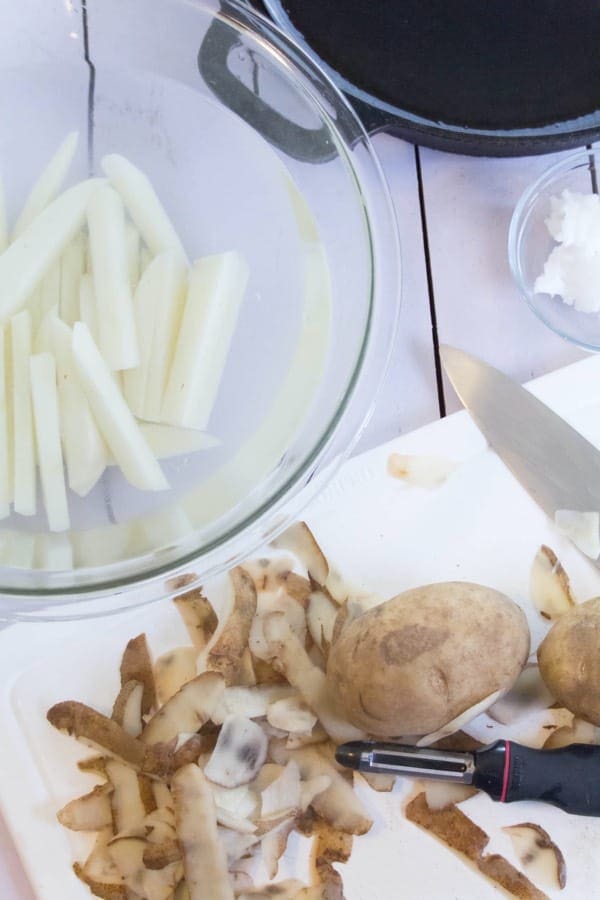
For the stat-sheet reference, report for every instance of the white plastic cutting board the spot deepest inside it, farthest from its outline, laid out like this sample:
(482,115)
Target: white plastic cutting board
(479,526)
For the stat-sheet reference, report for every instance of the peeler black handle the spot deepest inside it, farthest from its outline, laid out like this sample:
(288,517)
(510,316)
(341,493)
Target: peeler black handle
(568,777)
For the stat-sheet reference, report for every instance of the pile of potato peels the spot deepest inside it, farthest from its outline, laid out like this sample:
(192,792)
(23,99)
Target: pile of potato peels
(217,751)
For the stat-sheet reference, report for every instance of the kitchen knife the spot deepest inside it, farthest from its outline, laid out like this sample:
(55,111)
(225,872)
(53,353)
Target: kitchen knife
(555,464)
(567,777)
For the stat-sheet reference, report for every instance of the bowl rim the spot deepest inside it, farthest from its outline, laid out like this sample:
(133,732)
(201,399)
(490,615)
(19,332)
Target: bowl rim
(304,68)
(588,157)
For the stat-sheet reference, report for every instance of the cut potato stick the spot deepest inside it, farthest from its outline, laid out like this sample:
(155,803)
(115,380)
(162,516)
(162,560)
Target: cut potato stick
(114,303)
(54,552)
(3,219)
(48,184)
(72,267)
(24,474)
(216,288)
(113,416)
(5,433)
(167,441)
(50,289)
(26,261)
(84,448)
(132,247)
(170,295)
(47,432)
(204,859)
(157,302)
(17,549)
(87,305)
(143,205)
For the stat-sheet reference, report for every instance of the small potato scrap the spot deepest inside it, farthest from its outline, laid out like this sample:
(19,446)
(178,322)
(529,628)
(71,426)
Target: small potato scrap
(226,653)
(549,586)
(538,854)
(583,528)
(240,751)
(421,470)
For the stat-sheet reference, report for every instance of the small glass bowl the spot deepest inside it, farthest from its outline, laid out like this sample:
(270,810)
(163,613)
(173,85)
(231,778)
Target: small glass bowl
(530,244)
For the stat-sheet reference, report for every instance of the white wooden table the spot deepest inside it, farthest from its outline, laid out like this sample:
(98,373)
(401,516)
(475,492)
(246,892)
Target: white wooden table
(453,213)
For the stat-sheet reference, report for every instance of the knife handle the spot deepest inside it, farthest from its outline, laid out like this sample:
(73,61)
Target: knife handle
(568,777)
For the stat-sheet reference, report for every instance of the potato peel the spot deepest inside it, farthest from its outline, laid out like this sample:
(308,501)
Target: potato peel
(549,586)
(538,854)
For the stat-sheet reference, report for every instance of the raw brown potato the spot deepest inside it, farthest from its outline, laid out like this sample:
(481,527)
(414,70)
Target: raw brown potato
(411,665)
(569,660)
(225,655)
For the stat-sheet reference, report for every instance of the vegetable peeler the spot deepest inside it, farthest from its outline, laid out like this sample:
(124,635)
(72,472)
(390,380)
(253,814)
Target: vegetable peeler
(567,777)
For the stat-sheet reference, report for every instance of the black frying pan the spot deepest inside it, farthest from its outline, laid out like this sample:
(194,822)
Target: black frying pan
(483,77)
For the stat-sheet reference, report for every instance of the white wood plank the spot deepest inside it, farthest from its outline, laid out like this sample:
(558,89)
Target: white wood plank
(408,395)
(469,204)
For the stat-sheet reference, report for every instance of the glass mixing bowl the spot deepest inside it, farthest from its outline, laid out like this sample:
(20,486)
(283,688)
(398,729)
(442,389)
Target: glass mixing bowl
(250,147)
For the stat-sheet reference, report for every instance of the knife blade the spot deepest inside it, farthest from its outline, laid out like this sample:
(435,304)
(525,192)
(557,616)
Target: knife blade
(555,464)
